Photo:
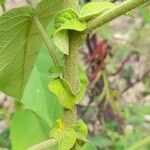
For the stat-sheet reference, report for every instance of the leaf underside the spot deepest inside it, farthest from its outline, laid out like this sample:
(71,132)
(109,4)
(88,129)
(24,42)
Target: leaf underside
(20,43)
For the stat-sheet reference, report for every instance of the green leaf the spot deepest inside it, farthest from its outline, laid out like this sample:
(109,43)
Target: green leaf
(40,100)
(20,43)
(93,9)
(27,129)
(63,22)
(81,130)
(65,138)
(55,71)
(63,91)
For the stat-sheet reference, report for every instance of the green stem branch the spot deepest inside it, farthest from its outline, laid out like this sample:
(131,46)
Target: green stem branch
(46,40)
(113,13)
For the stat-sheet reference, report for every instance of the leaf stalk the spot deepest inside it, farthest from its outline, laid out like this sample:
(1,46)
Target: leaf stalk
(44,145)
(47,41)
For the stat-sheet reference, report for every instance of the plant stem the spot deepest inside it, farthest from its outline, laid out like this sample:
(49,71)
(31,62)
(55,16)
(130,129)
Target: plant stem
(71,74)
(44,145)
(71,65)
(47,41)
(113,13)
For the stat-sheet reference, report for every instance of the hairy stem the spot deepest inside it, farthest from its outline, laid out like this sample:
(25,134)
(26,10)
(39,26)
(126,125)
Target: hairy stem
(44,145)
(71,62)
(46,40)
(71,65)
(113,13)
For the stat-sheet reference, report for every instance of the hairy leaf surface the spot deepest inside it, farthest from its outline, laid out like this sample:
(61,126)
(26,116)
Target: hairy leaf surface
(20,43)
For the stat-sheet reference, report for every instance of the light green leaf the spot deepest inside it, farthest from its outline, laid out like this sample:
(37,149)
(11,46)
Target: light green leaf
(63,22)
(81,130)
(27,129)
(20,43)
(40,100)
(65,138)
(93,9)
(63,91)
